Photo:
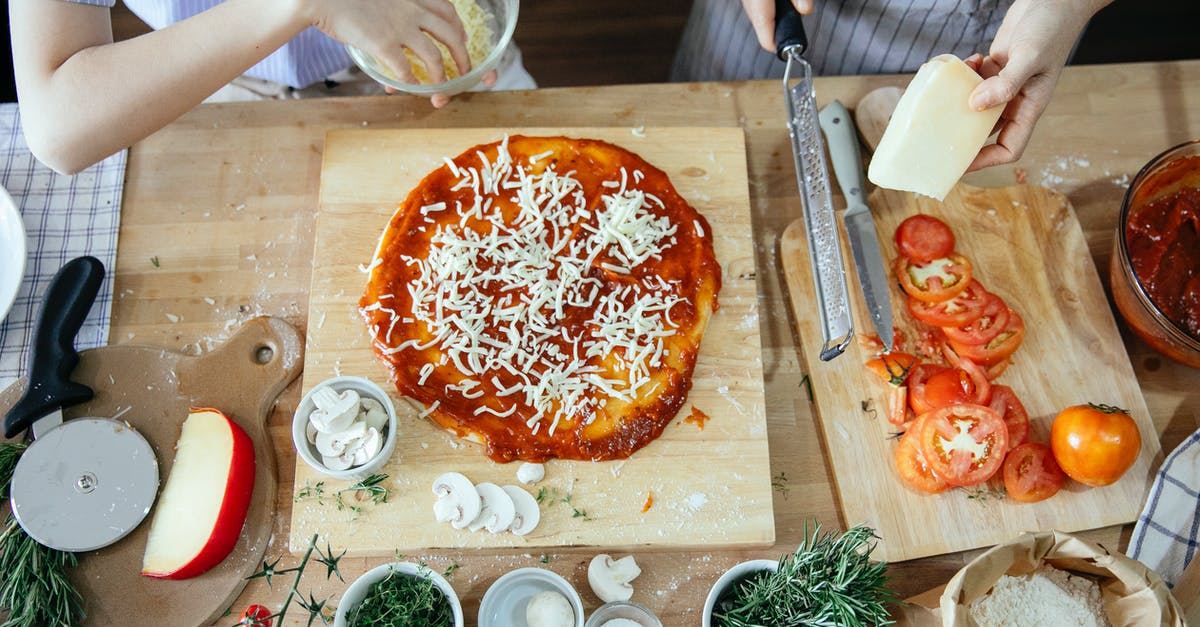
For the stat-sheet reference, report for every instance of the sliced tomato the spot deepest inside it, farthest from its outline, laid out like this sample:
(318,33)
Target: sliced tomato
(872,344)
(912,465)
(950,386)
(934,281)
(963,444)
(892,367)
(898,412)
(987,325)
(1006,403)
(924,238)
(1031,474)
(983,385)
(998,348)
(954,312)
(917,378)
(997,369)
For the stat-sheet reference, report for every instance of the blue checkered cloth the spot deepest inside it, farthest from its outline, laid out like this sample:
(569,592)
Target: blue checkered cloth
(1167,533)
(64,217)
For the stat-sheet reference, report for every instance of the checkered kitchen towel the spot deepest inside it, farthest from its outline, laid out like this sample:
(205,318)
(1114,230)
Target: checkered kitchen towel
(65,217)
(1167,533)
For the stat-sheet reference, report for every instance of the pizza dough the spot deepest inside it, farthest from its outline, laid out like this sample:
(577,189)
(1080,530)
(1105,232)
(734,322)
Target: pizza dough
(544,296)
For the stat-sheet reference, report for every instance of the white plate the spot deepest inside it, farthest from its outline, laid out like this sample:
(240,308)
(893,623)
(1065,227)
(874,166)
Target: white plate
(12,252)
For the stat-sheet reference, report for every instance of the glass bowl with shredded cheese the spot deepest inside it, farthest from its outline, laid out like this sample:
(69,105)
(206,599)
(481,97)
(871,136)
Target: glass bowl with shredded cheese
(489,25)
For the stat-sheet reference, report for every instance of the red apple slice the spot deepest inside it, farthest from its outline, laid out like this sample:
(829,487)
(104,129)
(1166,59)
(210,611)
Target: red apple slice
(201,510)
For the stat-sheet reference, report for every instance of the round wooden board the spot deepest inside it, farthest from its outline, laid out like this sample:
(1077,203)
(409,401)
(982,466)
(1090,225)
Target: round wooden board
(157,386)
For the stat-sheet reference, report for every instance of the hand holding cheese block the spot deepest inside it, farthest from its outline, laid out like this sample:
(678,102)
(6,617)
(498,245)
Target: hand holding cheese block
(934,134)
(201,510)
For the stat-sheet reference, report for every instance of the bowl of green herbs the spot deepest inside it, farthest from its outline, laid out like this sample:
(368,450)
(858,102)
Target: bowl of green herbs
(829,581)
(399,594)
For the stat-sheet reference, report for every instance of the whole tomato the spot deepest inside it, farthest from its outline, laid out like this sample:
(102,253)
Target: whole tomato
(256,616)
(1095,444)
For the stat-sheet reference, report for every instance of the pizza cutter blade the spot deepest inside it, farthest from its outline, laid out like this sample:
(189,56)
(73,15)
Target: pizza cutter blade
(87,482)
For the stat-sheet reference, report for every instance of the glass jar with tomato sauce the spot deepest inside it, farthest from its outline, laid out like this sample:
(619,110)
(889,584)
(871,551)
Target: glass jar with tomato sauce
(1155,269)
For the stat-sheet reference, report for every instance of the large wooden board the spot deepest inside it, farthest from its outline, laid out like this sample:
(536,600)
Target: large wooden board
(152,388)
(711,487)
(1026,246)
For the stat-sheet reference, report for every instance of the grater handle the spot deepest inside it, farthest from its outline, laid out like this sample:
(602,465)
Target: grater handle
(789,30)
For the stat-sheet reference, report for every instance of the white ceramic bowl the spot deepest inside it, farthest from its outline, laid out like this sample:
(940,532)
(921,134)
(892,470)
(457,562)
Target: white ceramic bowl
(504,23)
(503,604)
(358,590)
(623,609)
(12,252)
(730,577)
(366,389)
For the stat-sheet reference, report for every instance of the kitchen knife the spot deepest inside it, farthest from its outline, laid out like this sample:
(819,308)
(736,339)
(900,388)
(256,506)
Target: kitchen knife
(860,225)
(83,483)
(812,175)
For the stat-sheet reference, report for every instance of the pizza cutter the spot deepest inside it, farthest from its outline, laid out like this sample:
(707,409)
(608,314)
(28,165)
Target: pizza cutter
(84,483)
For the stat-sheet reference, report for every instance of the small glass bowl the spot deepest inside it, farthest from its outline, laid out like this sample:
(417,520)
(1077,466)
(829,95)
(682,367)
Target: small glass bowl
(503,24)
(503,604)
(623,609)
(1172,170)
(366,389)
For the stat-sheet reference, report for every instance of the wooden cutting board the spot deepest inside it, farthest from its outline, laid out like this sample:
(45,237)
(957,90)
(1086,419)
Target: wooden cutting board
(1026,246)
(710,487)
(152,388)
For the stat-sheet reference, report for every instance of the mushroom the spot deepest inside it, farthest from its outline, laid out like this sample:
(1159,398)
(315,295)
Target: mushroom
(310,432)
(335,411)
(338,462)
(334,443)
(530,474)
(373,414)
(498,509)
(549,608)
(527,512)
(610,578)
(458,502)
(367,446)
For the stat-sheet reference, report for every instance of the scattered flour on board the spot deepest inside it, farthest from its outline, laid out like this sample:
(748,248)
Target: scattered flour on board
(697,500)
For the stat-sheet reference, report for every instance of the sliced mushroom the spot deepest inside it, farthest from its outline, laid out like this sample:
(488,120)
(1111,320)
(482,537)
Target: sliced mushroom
(498,509)
(530,474)
(333,443)
(338,462)
(310,432)
(373,414)
(335,411)
(458,502)
(610,578)
(367,447)
(528,514)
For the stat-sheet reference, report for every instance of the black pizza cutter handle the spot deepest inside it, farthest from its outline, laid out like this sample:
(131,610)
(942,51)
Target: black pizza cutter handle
(52,355)
(789,30)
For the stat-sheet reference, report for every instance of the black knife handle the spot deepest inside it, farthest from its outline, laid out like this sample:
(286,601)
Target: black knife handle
(789,29)
(52,355)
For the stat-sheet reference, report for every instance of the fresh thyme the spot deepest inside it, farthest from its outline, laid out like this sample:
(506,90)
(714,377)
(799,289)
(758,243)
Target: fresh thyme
(154,261)
(779,483)
(369,489)
(401,599)
(806,383)
(985,493)
(867,409)
(829,581)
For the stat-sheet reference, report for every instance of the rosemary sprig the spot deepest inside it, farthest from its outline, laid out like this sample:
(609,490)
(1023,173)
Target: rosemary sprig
(33,582)
(829,581)
(34,588)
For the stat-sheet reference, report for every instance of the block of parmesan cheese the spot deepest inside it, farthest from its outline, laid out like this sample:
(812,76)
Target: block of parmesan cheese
(934,134)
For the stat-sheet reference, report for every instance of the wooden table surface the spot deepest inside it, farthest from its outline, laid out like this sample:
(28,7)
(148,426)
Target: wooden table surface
(217,224)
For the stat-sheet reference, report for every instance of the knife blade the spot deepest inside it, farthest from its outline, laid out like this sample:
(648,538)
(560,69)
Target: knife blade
(860,225)
(812,176)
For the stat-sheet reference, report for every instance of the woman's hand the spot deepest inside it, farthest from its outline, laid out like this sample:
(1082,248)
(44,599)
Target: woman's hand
(1021,68)
(384,29)
(762,18)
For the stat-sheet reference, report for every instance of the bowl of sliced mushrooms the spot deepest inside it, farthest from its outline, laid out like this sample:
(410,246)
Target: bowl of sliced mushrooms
(345,427)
